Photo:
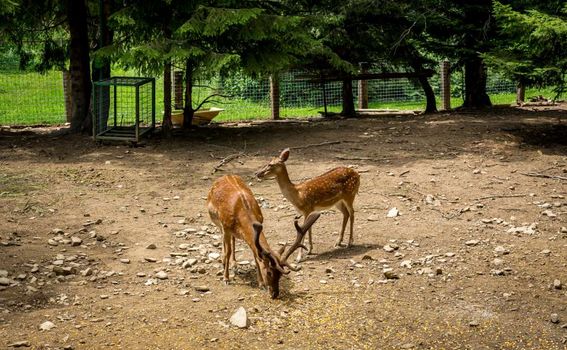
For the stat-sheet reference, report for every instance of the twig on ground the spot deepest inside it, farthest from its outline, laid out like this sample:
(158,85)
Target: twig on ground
(403,173)
(226,160)
(545,176)
(501,196)
(352,158)
(318,144)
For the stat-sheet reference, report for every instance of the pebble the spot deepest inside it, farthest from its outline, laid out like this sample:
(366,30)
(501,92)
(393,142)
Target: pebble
(52,242)
(104,296)
(188,263)
(472,242)
(554,318)
(392,213)
(239,318)
(151,246)
(125,261)
(557,284)
(373,218)
(141,274)
(391,275)
(3,273)
(546,252)
(202,289)
(47,325)
(20,344)
(150,259)
(500,250)
(213,256)
(388,248)
(162,275)
(4,281)
(76,241)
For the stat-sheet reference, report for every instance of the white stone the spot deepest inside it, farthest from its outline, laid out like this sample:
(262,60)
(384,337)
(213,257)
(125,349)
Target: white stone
(239,318)
(392,213)
(47,325)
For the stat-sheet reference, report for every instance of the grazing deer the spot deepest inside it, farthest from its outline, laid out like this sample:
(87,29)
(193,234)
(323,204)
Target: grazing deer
(337,187)
(234,210)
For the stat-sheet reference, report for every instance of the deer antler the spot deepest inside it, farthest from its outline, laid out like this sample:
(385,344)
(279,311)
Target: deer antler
(301,230)
(274,261)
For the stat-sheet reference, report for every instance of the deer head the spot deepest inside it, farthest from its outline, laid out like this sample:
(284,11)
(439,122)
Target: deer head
(273,265)
(275,165)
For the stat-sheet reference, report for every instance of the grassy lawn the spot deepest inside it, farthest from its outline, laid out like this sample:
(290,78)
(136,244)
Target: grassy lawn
(32,98)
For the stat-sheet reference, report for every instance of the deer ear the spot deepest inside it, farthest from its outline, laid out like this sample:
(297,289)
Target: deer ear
(284,155)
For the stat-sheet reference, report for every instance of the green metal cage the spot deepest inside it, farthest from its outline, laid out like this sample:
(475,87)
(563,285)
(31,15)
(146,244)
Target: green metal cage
(124,108)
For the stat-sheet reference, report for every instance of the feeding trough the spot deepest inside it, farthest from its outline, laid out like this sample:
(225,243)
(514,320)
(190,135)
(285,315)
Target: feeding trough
(200,117)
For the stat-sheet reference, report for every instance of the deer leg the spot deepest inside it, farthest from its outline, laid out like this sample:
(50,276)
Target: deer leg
(341,206)
(261,282)
(227,251)
(233,256)
(351,214)
(310,249)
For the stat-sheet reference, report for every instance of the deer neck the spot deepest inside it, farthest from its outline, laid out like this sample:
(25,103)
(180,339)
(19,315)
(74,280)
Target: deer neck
(287,187)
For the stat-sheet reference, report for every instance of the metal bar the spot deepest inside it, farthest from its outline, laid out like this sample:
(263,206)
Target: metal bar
(153,103)
(137,126)
(115,107)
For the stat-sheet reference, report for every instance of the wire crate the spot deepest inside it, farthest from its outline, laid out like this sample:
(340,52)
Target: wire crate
(124,108)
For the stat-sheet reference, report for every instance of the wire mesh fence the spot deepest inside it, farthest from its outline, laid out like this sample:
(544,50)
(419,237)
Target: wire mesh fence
(29,98)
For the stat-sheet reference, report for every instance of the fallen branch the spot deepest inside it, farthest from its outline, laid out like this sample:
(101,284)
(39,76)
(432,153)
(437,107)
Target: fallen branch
(501,196)
(318,144)
(227,160)
(545,176)
(353,158)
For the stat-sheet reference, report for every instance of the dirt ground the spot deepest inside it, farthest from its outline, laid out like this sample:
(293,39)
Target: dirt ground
(479,246)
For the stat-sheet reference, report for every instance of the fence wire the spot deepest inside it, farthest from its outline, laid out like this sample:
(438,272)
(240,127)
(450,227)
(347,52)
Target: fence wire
(30,98)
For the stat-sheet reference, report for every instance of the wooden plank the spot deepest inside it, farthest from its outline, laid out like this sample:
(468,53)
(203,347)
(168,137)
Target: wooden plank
(313,78)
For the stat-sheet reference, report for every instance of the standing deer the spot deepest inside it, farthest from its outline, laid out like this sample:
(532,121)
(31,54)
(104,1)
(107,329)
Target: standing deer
(234,210)
(337,187)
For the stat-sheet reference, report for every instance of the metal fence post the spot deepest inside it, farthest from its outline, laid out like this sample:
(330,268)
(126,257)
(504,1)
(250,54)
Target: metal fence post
(275,96)
(363,88)
(445,85)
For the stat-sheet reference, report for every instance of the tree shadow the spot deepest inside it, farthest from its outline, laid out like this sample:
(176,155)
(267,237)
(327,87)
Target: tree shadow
(343,252)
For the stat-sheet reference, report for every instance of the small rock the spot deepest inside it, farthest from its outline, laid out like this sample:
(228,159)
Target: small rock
(406,264)
(392,213)
(52,242)
(4,281)
(554,318)
(239,318)
(3,273)
(47,325)
(202,289)
(473,323)
(472,242)
(557,284)
(148,259)
(141,274)
(20,344)
(391,275)
(125,261)
(500,250)
(162,275)
(188,263)
(546,252)
(213,256)
(104,296)
(373,218)
(151,246)
(549,213)
(76,241)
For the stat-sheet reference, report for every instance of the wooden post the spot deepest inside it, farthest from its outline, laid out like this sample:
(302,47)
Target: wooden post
(275,96)
(520,94)
(445,85)
(67,95)
(363,88)
(178,84)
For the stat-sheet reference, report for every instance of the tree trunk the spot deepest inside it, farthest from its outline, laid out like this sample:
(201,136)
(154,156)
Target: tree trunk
(348,99)
(475,84)
(79,65)
(431,103)
(166,124)
(188,110)
(101,68)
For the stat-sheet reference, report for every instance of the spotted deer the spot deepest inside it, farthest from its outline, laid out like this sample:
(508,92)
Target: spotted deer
(234,210)
(337,187)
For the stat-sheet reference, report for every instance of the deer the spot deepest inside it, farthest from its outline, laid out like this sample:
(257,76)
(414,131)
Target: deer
(337,187)
(234,210)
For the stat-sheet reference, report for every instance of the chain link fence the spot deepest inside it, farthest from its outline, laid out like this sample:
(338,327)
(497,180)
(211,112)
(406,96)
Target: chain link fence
(31,98)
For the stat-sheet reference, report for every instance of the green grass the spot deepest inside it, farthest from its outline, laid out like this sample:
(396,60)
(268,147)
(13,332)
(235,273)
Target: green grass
(32,98)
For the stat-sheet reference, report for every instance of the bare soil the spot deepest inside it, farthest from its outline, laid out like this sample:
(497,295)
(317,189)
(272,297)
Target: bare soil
(472,272)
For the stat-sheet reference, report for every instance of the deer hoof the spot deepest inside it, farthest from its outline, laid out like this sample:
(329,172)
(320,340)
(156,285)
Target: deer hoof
(338,244)
(226,282)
